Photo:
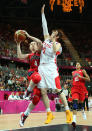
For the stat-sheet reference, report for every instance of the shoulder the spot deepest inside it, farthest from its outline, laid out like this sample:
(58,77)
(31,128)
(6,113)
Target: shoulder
(58,43)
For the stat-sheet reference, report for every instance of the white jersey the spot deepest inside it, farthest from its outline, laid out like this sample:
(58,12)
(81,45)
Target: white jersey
(47,54)
(48,68)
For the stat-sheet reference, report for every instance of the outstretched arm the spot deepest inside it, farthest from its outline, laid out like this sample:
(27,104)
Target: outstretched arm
(44,24)
(33,38)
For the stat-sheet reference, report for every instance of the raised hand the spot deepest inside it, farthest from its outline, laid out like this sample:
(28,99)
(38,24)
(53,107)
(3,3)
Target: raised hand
(42,10)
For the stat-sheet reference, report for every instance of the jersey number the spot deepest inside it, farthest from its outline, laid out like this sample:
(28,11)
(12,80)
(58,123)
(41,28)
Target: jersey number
(76,79)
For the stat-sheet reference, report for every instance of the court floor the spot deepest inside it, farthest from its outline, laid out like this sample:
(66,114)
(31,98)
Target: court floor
(11,121)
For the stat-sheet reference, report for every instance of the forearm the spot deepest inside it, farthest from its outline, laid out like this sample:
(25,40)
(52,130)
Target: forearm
(86,78)
(34,38)
(19,53)
(69,81)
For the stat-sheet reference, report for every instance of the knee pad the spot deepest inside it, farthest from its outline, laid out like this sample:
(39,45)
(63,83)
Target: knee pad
(58,93)
(36,78)
(75,104)
(35,100)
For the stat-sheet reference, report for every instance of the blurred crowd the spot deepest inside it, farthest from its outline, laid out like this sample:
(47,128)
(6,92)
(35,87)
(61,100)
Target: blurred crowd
(13,79)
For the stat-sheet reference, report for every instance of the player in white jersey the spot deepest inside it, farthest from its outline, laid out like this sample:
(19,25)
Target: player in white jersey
(49,70)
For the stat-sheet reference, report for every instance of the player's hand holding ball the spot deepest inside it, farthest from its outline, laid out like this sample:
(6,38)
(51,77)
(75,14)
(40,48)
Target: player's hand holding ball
(20,36)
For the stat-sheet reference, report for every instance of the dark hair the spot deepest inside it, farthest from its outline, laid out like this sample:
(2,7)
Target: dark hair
(59,34)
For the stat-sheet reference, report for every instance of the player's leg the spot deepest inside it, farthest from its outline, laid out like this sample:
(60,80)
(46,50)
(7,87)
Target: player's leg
(75,97)
(29,90)
(47,105)
(87,104)
(31,106)
(63,99)
(25,114)
(34,79)
(82,98)
(42,86)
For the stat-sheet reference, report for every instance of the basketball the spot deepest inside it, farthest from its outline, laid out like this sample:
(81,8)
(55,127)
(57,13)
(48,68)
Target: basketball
(19,36)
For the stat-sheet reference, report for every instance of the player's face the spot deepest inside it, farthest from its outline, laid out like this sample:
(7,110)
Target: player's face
(33,46)
(54,34)
(78,66)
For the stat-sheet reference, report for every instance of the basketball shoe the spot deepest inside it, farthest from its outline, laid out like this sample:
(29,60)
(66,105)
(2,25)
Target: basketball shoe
(22,119)
(69,116)
(49,117)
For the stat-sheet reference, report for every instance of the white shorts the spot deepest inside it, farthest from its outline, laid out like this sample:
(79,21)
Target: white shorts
(49,76)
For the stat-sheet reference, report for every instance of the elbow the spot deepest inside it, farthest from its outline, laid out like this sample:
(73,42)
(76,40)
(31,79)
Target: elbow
(89,79)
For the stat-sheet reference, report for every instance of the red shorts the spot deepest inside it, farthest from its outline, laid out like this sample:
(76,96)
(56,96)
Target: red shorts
(31,74)
(57,82)
(78,93)
(85,90)
(34,76)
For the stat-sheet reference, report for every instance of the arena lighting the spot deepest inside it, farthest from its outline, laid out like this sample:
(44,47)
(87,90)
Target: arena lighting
(67,4)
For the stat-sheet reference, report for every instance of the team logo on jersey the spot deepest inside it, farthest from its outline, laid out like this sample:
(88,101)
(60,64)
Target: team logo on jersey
(76,74)
(47,45)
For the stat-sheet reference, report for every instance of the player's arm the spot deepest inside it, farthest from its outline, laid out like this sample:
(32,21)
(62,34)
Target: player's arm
(70,81)
(19,53)
(86,76)
(34,38)
(44,24)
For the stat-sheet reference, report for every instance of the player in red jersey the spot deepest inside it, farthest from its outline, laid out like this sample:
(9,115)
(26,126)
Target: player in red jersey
(78,90)
(33,75)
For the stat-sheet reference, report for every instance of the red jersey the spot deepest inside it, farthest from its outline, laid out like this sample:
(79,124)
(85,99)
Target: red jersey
(34,60)
(76,80)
